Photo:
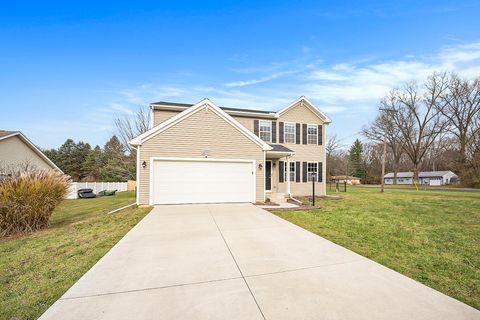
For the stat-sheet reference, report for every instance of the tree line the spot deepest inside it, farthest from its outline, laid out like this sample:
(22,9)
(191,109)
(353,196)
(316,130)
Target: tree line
(83,163)
(434,125)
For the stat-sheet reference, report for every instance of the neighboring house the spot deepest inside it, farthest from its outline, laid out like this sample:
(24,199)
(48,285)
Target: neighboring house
(17,151)
(348,179)
(202,153)
(431,178)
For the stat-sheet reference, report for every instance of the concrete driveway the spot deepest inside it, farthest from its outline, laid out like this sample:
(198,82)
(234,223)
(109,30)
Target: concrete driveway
(237,261)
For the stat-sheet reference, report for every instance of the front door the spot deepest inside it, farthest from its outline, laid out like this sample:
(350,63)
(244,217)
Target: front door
(268,175)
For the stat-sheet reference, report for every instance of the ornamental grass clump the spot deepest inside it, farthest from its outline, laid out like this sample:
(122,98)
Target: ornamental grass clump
(27,199)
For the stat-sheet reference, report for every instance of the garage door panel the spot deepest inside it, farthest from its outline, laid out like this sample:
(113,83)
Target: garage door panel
(202,182)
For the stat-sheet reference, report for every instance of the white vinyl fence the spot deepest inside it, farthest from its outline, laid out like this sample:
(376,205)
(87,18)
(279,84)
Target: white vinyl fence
(96,186)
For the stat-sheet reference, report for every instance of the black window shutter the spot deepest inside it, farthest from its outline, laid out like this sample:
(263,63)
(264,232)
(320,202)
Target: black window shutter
(280,132)
(320,172)
(304,171)
(297,171)
(274,131)
(320,134)
(304,127)
(255,127)
(297,133)
(281,171)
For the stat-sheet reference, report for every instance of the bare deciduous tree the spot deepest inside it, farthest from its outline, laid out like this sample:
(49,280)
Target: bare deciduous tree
(383,128)
(131,126)
(417,117)
(460,105)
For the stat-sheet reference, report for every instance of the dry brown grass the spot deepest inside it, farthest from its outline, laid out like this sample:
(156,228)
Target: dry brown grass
(27,200)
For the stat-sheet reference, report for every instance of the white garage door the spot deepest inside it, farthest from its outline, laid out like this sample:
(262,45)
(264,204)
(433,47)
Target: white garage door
(204,181)
(435,182)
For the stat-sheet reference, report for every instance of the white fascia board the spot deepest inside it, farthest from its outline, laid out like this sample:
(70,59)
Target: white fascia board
(310,106)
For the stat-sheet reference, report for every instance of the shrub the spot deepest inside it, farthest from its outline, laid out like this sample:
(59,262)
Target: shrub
(28,198)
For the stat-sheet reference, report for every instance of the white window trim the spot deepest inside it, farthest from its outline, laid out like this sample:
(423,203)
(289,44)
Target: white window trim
(316,171)
(294,132)
(316,135)
(260,131)
(294,171)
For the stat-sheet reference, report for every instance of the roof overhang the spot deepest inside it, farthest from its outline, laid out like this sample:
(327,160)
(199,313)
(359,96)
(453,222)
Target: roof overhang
(33,147)
(189,111)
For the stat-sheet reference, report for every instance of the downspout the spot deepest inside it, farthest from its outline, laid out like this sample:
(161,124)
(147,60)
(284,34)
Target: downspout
(264,166)
(137,183)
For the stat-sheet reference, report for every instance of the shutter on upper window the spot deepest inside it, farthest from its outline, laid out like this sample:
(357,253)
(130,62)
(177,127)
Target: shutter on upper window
(304,165)
(255,127)
(274,131)
(280,132)
(281,171)
(297,171)
(297,133)
(320,172)
(320,134)
(304,131)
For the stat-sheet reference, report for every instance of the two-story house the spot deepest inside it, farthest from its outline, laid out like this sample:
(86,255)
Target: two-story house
(203,153)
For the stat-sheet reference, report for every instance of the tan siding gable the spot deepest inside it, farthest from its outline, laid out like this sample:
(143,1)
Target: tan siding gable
(300,113)
(15,152)
(160,116)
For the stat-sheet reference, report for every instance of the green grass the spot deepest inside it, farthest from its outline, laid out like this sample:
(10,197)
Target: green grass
(36,269)
(430,236)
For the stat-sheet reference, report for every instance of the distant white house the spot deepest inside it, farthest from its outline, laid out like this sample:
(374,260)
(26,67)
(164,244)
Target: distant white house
(431,178)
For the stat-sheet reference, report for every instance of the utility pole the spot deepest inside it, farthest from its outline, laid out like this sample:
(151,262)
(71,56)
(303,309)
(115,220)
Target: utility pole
(383,161)
(382,189)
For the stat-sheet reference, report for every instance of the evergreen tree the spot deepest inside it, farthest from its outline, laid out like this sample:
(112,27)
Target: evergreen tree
(93,163)
(355,159)
(116,167)
(66,160)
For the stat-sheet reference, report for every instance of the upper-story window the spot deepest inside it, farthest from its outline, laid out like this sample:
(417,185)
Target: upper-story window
(265,130)
(289,132)
(312,134)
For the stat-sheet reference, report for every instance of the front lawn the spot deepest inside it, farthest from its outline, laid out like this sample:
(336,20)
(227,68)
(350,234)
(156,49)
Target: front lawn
(36,269)
(430,236)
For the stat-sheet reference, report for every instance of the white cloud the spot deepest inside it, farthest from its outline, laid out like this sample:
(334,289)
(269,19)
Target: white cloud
(346,85)
(250,82)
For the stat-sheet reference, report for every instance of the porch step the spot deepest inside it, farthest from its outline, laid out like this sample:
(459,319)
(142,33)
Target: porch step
(278,198)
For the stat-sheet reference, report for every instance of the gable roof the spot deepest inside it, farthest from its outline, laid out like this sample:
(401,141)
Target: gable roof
(205,103)
(305,102)
(175,106)
(8,134)
(422,174)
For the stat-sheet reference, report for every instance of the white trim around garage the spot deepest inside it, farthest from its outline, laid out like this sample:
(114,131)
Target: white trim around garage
(152,171)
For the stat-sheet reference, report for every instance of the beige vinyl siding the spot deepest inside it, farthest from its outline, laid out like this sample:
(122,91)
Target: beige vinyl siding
(303,152)
(204,130)
(14,152)
(160,116)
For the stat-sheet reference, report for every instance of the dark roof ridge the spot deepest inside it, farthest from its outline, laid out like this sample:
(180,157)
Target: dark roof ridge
(177,104)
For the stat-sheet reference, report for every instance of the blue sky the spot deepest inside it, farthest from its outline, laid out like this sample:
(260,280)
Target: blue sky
(67,69)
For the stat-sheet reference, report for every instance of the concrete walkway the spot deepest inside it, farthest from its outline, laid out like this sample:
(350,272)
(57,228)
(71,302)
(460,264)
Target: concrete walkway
(241,262)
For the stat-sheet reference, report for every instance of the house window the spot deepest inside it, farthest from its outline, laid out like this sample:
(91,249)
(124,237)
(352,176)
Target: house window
(311,170)
(292,171)
(312,134)
(289,132)
(265,130)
